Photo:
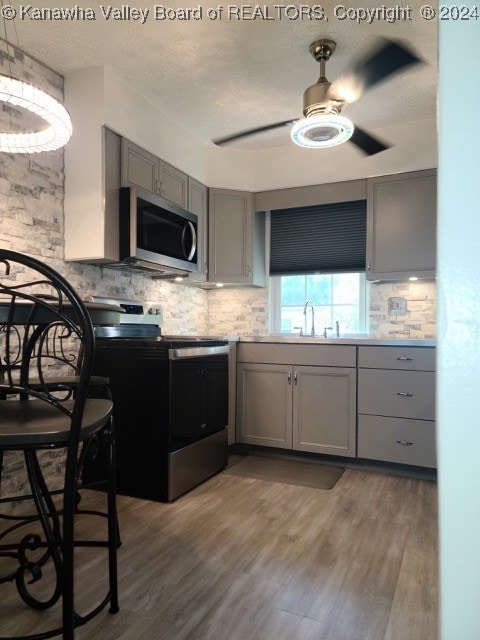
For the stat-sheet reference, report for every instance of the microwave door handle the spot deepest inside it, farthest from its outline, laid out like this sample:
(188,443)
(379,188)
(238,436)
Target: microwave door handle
(189,225)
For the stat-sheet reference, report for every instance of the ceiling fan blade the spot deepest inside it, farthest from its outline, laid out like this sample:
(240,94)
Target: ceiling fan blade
(388,58)
(251,132)
(367,143)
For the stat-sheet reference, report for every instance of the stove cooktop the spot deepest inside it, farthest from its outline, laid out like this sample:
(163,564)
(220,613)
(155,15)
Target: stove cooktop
(135,331)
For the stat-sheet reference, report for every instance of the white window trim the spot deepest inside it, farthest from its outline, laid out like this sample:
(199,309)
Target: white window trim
(274,315)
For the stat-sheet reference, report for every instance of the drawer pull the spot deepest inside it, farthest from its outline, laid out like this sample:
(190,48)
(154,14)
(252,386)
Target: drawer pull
(404,395)
(405,443)
(407,359)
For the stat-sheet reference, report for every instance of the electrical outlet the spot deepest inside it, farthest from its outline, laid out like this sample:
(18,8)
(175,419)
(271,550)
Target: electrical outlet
(397,305)
(156,311)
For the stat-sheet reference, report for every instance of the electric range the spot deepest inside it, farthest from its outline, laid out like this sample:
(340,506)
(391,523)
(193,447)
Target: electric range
(170,396)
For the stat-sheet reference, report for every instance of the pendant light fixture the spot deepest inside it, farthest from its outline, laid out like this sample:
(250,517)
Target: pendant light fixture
(58,125)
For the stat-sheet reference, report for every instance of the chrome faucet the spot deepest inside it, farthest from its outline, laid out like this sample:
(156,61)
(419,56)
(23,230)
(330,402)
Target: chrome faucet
(313,316)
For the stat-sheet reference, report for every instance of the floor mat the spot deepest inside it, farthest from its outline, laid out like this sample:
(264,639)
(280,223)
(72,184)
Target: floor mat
(304,474)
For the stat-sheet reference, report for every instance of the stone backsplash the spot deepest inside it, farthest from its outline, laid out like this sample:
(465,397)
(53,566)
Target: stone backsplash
(246,311)
(420,319)
(238,312)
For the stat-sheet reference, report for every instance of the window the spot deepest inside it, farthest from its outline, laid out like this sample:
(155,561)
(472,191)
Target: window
(336,297)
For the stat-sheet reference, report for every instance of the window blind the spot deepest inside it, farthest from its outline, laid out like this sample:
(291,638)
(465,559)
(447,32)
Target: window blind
(329,238)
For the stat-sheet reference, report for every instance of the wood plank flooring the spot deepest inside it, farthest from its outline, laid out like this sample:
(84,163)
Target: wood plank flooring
(240,559)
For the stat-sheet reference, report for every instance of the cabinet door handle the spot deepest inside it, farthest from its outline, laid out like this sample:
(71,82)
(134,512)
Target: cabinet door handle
(404,443)
(407,359)
(404,395)
(369,266)
(295,378)
(247,270)
(205,268)
(160,188)
(289,377)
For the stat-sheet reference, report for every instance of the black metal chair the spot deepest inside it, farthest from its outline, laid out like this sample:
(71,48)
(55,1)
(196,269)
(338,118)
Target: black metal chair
(44,407)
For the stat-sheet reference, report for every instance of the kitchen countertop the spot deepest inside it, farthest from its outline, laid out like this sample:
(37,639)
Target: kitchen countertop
(363,339)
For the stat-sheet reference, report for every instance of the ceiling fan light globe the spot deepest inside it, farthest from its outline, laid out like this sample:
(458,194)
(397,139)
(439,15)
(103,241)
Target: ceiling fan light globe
(325,130)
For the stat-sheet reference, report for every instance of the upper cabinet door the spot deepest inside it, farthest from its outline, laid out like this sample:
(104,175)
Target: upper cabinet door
(143,169)
(173,184)
(401,226)
(139,167)
(236,239)
(230,236)
(198,203)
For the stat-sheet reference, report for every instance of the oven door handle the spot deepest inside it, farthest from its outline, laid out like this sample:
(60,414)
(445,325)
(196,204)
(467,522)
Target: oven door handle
(196,352)
(189,255)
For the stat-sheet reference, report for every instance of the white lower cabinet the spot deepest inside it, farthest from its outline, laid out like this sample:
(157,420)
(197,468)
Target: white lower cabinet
(307,408)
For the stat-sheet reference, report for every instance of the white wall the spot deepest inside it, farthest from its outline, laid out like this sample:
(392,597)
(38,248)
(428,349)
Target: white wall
(459,332)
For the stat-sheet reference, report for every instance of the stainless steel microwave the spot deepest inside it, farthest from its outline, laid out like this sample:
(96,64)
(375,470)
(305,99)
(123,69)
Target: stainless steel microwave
(155,233)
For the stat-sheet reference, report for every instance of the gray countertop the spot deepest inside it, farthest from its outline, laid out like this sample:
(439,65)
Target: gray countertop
(363,339)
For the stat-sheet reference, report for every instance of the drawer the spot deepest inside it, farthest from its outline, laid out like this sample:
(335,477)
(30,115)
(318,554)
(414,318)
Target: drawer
(402,394)
(308,354)
(409,358)
(397,440)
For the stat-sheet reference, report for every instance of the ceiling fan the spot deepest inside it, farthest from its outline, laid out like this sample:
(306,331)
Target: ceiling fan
(323,126)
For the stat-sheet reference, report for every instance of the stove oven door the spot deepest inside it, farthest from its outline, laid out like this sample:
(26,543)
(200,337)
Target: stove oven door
(198,398)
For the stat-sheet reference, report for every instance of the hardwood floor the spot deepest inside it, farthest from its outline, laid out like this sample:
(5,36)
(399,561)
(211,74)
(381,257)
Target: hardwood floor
(240,559)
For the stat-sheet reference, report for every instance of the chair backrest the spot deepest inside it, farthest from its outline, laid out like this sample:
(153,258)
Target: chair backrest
(44,327)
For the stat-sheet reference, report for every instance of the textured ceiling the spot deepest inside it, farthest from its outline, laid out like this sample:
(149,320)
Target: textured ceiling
(217,77)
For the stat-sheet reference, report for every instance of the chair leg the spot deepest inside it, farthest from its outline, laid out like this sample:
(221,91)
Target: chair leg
(1,471)
(49,521)
(113,529)
(68,614)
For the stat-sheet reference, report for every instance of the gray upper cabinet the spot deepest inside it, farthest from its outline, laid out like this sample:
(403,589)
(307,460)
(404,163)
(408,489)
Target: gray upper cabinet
(401,226)
(143,169)
(198,204)
(92,210)
(236,239)
(139,167)
(173,184)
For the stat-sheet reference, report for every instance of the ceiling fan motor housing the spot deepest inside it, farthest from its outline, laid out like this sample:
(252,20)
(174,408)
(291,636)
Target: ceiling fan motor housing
(315,99)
